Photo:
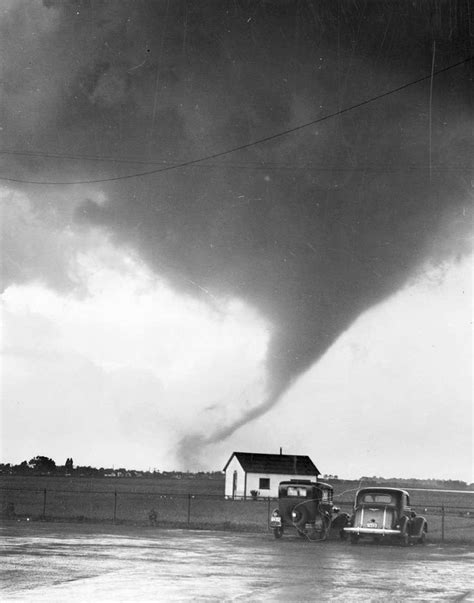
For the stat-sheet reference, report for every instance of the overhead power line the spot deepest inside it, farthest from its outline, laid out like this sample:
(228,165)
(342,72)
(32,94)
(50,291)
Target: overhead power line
(249,165)
(199,160)
(257,165)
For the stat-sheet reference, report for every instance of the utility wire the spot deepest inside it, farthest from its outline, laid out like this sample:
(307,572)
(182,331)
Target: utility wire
(248,144)
(261,165)
(431,103)
(265,166)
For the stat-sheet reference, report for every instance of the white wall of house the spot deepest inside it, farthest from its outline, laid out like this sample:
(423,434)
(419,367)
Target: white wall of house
(254,482)
(235,472)
(245,484)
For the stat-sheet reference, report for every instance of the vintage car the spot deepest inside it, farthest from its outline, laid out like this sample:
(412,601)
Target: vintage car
(307,508)
(385,514)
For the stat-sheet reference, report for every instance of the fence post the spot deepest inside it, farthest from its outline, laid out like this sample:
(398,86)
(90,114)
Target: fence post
(442,523)
(115,506)
(189,508)
(44,504)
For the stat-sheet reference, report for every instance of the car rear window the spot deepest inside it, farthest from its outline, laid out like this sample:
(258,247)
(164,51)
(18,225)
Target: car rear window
(296,491)
(378,498)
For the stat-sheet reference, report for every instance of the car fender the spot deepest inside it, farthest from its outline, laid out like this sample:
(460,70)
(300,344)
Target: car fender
(404,524)
(341,520)
(418,526)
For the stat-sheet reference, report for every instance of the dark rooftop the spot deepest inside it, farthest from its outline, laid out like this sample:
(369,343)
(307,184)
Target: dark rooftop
(290,464)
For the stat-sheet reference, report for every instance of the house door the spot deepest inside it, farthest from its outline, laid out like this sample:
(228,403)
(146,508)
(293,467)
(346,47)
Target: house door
(234,484)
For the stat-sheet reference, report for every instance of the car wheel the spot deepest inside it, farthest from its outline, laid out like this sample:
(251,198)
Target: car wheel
(405,539)
(278,532)
(354,538)
(422,538)
(326,527)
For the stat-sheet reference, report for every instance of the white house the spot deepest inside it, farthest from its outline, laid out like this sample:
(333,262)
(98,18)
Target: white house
(248,471)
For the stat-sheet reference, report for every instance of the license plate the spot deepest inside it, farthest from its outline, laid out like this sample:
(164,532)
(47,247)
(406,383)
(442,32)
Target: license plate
(275,521)
(371,524)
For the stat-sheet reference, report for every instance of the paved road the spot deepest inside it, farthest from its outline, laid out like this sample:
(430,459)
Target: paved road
(55,562)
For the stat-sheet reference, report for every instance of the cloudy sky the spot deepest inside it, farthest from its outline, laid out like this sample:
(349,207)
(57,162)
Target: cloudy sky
(219,232)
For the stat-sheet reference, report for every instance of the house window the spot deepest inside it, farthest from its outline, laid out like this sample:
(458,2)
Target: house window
(264,483)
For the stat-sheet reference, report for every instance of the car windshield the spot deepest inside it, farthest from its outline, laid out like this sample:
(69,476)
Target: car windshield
(376,497)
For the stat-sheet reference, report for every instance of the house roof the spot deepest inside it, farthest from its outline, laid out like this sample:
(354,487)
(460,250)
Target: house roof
(290,464)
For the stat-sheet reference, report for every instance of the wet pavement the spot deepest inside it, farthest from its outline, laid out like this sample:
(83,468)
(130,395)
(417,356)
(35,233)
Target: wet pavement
(69,562)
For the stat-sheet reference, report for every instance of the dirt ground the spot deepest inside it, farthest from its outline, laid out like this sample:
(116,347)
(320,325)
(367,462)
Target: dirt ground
(58,562)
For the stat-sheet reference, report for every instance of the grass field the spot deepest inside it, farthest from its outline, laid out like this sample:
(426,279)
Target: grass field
(199,503)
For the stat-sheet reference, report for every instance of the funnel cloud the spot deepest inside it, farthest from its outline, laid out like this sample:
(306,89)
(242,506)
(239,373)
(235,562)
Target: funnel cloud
(312,228)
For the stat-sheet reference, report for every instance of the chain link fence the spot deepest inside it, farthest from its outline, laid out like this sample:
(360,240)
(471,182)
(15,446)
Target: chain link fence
(161,509)
(446,523)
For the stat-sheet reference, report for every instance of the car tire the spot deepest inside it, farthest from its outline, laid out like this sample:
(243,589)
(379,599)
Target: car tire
(405,529)
(405,539)
(302,520)
(278,532)
(422,538)
(326,527)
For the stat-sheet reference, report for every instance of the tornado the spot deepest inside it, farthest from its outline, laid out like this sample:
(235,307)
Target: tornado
(204,128)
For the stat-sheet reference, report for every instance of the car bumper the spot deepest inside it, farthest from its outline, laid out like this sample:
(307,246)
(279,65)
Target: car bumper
(374,531)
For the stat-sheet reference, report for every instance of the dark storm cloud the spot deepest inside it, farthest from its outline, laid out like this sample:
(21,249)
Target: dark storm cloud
(312,228)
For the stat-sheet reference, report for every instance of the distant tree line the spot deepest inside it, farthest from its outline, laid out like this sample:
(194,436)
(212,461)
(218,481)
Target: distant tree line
(43,465)
(400,482)
(413,482)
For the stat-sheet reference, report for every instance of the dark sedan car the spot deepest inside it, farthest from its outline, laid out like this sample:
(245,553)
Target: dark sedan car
(385,514)
(305,507)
